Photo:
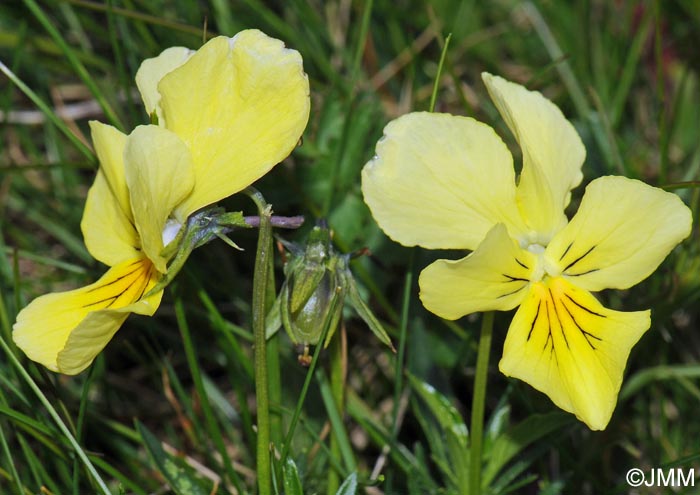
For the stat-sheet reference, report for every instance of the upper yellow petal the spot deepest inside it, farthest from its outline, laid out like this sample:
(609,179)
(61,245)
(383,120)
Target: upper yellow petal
(160,176)
(552,154)
(440,181)
(152,71)
(45,328)
(620,234)
(494,277)
(563,342)
(240,105)
(109,235)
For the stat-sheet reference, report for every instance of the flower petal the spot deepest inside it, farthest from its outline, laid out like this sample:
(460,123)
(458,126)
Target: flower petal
(160,175)
(109,146)
(109,235)
(440,181)
(622,231)
(494,277)
(563,342)
(552,154)
(152,71)
(240,105)
(45,328)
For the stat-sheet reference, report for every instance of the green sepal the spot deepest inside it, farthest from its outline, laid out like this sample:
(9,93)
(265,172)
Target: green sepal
(200,228)
(363,310)
(305,282)
(273,320)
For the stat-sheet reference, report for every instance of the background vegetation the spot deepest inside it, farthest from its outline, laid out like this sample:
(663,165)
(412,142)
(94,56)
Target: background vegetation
(153,419)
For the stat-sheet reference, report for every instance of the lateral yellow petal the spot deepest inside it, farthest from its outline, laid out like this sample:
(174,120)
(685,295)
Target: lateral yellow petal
(45,327)
(152,71)
(160,175)
(109,145)
(440,181)
(563,342)
(494,277)
(552,154)
(109,235)
(620,234)
(240,105)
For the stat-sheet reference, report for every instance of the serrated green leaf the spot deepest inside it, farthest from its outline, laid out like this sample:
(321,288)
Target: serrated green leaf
(179,479)
(292,483)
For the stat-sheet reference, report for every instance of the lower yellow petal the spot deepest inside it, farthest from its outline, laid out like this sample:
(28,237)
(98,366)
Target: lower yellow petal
(494,277)
(563,342)
(64,331)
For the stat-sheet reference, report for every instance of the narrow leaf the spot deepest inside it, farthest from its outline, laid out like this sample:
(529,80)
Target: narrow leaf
(292,483)
(177,477)
(349,486)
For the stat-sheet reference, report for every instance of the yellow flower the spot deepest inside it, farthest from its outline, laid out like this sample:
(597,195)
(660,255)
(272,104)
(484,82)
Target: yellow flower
(447,182)
(227,114)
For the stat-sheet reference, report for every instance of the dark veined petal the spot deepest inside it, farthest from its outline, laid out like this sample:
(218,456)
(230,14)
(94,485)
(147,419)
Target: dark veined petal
(563,342)
(494,277)
(65,331)
(620,234)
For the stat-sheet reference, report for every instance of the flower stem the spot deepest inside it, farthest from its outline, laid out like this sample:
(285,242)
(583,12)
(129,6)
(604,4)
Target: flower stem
(479,398)
(259,311)
(338,360)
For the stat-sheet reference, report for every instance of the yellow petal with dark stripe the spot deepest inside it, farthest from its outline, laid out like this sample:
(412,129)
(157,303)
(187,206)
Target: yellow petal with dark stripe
(494,277)
(563,342)
(65,331)
(620,234)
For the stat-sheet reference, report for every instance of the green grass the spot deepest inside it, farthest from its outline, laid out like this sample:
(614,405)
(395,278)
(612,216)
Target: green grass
(169,407)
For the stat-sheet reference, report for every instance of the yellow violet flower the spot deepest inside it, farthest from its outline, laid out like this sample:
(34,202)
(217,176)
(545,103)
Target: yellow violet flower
(227,114)
(447,182)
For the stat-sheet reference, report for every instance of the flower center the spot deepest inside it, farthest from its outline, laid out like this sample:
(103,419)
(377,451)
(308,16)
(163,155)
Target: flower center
(544,268)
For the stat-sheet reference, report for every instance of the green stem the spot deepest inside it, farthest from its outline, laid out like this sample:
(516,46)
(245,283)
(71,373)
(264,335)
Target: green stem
(273,356)
(479,398)
(262,265)
(338,359)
